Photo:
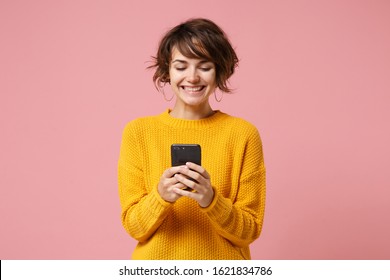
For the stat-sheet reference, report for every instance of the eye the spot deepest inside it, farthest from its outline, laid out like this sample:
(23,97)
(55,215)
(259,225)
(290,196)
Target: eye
(205,69)
(180,68)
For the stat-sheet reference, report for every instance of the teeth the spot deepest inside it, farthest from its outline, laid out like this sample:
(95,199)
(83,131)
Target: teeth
(193,89)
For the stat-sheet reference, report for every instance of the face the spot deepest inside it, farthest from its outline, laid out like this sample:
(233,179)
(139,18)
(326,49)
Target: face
(192,80)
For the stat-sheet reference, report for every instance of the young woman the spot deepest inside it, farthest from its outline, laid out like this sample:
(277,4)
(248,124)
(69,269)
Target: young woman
(223,211)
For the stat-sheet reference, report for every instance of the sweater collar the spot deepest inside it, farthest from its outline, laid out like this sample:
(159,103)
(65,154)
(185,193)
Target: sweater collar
(167,119)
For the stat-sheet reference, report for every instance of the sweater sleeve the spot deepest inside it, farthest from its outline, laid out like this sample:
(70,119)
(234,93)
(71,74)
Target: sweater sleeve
(142,211)
(240,221)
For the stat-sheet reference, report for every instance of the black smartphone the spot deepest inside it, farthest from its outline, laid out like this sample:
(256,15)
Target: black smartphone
(183,153)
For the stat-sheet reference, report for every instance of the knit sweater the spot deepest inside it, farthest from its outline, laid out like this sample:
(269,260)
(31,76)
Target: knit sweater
(231,154)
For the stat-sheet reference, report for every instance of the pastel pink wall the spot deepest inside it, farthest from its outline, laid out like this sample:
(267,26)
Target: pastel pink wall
(314,79)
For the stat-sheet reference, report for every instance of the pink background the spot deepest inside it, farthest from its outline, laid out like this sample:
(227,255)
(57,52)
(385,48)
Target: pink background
(314,78)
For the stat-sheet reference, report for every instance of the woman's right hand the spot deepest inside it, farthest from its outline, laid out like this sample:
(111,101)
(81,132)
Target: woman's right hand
(168,182)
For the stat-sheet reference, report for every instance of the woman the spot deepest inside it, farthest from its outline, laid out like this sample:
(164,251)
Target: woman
(224,212)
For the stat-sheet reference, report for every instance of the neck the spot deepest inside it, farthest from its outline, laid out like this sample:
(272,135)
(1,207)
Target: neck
(191,113)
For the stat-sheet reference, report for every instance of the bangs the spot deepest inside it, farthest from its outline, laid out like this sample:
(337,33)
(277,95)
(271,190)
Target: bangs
(192,48)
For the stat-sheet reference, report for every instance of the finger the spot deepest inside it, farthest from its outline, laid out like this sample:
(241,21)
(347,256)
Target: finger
(167,183)
(187,182)
(182,192)
(171,171)
(178,185)
(198,169)
(190,174)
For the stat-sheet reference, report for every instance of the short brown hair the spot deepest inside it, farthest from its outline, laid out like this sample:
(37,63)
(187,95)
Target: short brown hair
(196,38)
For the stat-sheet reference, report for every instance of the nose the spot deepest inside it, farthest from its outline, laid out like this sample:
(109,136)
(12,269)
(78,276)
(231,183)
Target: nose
(193,76)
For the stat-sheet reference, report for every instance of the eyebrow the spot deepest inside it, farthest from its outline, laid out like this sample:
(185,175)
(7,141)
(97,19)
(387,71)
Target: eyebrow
(179,60)
(184,61)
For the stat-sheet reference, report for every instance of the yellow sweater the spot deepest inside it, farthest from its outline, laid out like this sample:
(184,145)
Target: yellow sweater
(232,155)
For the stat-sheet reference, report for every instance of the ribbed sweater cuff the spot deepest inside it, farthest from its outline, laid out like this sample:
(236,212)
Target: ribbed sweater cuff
(157,204)
(218,207)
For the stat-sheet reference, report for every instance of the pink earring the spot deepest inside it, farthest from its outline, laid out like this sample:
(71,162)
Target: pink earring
(215,95)
(165,97)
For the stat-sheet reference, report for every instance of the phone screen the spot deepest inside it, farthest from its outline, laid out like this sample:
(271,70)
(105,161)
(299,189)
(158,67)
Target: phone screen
(182,153)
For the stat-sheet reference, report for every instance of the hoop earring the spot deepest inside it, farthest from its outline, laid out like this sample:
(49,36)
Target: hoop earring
(215,95)
(165,97)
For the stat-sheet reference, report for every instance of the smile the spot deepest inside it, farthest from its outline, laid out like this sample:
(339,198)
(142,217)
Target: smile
(193,89)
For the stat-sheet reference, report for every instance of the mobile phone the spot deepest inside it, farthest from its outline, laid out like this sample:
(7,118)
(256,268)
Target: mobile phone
(183,153)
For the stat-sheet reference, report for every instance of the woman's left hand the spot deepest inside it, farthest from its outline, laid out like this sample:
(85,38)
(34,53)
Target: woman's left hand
(202,192)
